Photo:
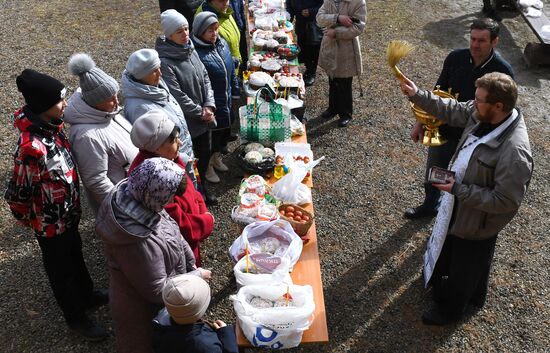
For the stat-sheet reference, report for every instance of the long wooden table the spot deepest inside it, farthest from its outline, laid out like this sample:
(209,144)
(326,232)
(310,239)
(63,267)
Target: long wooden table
(306,271)
(308,268)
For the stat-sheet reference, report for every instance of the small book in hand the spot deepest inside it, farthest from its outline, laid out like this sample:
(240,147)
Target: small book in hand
(440,176)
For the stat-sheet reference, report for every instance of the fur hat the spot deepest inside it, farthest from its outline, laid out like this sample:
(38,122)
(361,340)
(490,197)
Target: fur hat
(186,298)
(171,21)
(142,62)
(95,84)
(41,91)
(151,130)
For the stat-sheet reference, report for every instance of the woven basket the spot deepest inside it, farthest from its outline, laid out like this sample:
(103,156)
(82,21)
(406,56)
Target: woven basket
(300,228)
(265,166)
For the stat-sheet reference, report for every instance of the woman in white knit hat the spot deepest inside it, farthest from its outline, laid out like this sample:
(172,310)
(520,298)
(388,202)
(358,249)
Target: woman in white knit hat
(99,133)
(188,81)
(144,89)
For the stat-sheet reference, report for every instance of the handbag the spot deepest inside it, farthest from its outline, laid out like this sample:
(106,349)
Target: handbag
(314,33)
(264,121)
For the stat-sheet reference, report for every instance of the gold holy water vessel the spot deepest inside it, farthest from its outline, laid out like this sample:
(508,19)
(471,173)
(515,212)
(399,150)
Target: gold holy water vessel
(398,49)
(430,123)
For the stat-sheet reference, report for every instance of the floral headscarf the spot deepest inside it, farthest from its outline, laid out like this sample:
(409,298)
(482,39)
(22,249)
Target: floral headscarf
(154,182)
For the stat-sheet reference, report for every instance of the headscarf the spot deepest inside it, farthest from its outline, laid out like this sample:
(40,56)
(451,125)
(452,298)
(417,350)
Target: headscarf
(154,182)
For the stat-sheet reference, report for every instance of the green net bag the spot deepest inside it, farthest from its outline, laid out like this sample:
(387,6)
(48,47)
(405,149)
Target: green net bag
(264,121)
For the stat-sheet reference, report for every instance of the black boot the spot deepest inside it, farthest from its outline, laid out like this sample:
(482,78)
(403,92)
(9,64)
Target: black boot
(344,122)
(435,317)
(327,114)
(210,199)
(309,79)
(89,330)
(98,298)
(421,211)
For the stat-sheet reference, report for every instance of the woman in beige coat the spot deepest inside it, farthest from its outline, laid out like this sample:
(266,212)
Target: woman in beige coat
(342,21)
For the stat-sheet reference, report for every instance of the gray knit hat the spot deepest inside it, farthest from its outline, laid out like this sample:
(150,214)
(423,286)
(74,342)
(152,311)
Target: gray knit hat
(142,62)
(95,84)
(171,21)
(151,130)
(202,21)
(186,298)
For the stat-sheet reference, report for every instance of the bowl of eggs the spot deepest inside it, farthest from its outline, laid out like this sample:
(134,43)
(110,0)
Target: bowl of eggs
(299,218)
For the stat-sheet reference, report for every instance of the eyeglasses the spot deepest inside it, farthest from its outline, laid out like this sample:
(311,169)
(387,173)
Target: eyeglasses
(478,101)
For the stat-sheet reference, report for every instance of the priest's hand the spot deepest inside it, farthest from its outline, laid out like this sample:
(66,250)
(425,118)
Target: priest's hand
(445,187)
(408,87)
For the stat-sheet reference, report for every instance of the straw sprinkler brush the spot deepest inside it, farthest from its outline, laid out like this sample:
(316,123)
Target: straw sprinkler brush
(397,49)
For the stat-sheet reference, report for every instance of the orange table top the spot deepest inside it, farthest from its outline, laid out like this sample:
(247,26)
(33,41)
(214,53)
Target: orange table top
(306,271)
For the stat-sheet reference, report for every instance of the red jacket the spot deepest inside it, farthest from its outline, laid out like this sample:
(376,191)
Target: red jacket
(189,210)
(43,192)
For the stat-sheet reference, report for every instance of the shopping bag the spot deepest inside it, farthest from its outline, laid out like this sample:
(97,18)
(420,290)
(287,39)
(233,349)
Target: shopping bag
(274,237)
(264,120)
(278,325)
(262,269)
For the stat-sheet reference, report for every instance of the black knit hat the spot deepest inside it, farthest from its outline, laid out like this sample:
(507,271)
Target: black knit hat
(41,91)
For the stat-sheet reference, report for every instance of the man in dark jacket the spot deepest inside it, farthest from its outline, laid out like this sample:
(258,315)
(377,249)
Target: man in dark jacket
(492,169)
(43,194)
(461,69)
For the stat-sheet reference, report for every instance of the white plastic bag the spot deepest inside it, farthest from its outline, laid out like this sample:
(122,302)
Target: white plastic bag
(274,327)
(274,270)
(277,236)
(289,188)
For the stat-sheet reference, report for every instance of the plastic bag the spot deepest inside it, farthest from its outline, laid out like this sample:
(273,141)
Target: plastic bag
(262,269)
(281,325)
(289,188)
(296,126)
(275,237)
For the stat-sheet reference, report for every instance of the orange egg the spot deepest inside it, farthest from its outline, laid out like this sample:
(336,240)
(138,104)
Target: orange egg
(298,213)
(305,218)
(289,214)
(282,212)
(289,209)
(297,218)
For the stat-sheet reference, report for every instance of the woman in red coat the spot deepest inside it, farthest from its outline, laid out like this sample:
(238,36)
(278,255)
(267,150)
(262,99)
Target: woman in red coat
(157,136)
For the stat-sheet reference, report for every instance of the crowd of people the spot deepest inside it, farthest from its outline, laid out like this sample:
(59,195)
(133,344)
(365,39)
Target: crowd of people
(145,167)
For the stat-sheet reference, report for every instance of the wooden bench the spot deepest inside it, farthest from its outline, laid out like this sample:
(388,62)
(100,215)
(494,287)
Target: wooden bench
(306,271)
(537,53)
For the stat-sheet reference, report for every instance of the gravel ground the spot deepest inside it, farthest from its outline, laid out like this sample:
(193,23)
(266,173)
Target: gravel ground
(370,255)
